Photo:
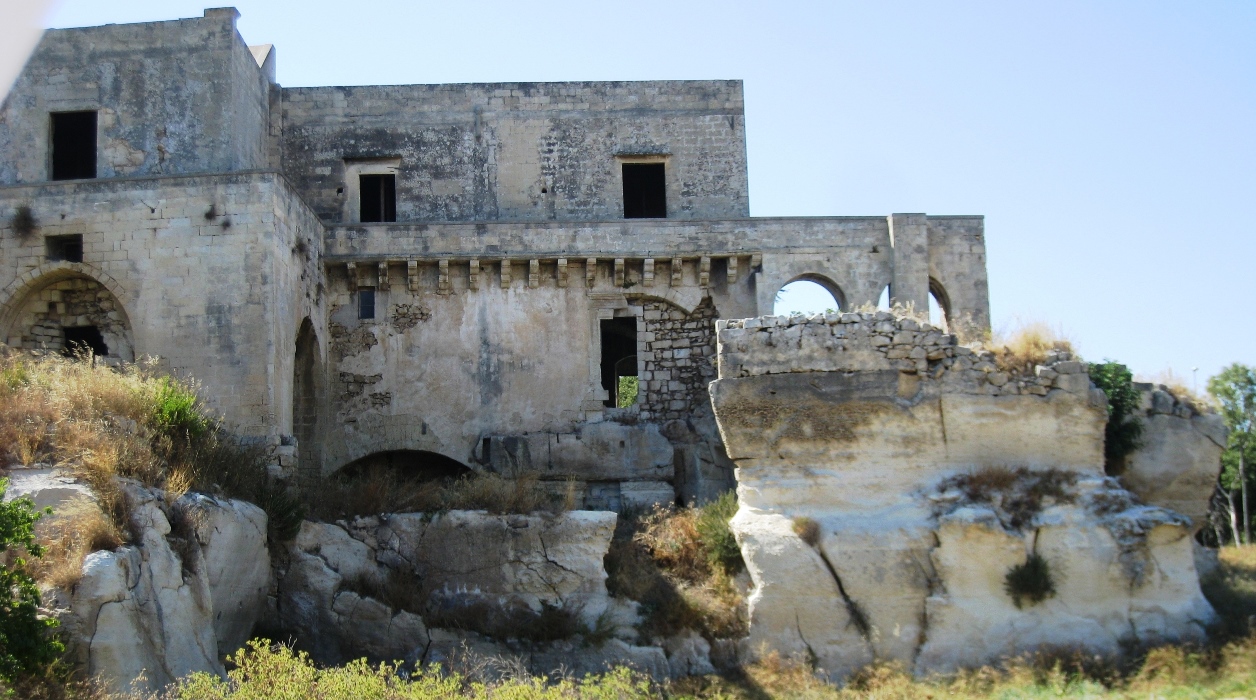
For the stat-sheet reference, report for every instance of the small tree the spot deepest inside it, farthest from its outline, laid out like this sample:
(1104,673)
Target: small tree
(26,645)
(1124,431)
(1235,390)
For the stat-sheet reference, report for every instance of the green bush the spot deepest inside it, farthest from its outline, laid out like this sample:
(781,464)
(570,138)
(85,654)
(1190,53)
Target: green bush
(627,394)
(1030,581)
(26,645)
(176,409)
(1124,430)
(716,536)
(276,672)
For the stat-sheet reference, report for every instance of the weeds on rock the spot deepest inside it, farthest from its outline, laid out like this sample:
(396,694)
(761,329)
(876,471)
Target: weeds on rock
(1030,581)
(1026,346)
(103,423)
(679,563)
(1017,495)
(808,530)
(23,222)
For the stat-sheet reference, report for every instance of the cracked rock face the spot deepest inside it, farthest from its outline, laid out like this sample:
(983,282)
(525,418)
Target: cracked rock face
(160,609)
(455,558)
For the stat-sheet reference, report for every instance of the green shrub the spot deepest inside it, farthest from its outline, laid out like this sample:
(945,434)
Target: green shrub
(1124,430)
(177,410)
(627,395)
(26,645)
(716,536)
(1031,581)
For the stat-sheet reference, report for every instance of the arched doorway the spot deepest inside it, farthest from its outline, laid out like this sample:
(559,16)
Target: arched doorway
(405,465)
(809,295)
(307,398)
(72,313)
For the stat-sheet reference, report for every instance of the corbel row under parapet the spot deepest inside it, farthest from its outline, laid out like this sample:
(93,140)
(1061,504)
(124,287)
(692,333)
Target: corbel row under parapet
(558,269)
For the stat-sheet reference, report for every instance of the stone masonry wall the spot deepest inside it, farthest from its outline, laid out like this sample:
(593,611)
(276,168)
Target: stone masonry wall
(680,361)
(883,340)
(75,302)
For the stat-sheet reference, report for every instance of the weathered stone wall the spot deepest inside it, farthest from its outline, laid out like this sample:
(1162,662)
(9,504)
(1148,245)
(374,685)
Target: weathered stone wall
(204,270)
(679,361)
(521,151)
(76,301)
(173,98)
(884,475)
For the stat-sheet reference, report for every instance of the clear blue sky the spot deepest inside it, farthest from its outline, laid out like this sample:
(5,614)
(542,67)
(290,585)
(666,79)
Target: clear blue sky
(1110,145)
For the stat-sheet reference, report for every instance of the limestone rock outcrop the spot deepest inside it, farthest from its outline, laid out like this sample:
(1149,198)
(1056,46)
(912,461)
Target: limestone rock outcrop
(188,591)
(458,564)
(1180,455)
(894,487)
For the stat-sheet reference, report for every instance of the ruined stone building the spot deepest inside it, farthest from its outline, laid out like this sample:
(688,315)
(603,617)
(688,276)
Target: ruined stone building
(434,274)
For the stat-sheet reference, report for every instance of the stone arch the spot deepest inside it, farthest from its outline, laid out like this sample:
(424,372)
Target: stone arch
(834,290)
(308,397)
(938,292)
(407,464)
(38,307)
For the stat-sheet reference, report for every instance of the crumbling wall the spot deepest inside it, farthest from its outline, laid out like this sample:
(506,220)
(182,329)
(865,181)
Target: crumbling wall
(909,475)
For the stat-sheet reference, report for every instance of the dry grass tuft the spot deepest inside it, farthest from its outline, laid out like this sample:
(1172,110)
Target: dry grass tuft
(77,530)
(808,530)
(1179,387)
(102,424)
(678,562)
(1022,347)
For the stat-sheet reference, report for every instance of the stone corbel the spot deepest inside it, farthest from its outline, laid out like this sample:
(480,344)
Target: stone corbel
(473,279)
(506,272)
(383,275)
(647,273)
(619,272)
(732,270)
(704,271)
(562,272)
(412,275)
(756,262)
(442,278)
(534,274)
(678,272)
(590,272)
(352,270)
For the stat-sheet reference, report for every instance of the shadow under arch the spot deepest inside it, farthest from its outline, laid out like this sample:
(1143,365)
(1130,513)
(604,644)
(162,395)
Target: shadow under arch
(80,297)
(308,398)
(405,465)
(827,284)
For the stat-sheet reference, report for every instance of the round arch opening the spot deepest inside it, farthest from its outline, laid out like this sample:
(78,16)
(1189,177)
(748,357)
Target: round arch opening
(72,314)
(939,305)
(809,295)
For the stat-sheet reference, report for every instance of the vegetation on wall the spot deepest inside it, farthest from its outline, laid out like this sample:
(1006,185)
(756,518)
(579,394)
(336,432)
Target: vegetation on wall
(27,646)
(1030,581)
(1124,430)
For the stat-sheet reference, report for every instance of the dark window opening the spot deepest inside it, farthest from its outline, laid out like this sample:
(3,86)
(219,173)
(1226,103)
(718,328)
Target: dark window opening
(645,192)
(619,361)
(379,198)
(366,302)
(73,145)
(83,339)
(64,248)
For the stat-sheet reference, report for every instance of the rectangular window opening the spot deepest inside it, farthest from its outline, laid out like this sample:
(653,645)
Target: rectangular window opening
(379,198)
(366,302)
(64,248)
(80,340)
(619,361)
(645,191)
(73,145)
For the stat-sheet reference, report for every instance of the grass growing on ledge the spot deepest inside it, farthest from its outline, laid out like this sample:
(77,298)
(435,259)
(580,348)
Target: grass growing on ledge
(101,423)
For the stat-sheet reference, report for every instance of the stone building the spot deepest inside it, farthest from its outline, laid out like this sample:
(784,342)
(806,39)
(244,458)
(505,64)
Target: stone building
(442,276)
